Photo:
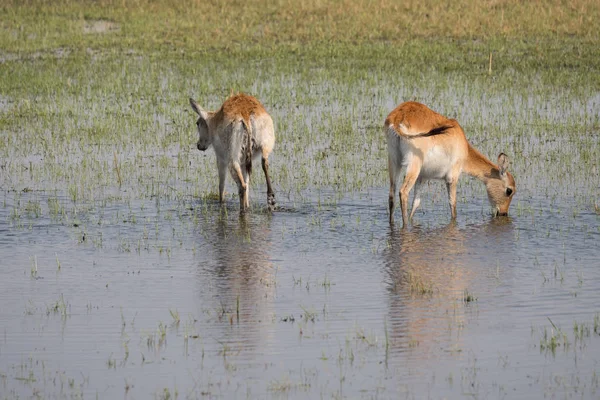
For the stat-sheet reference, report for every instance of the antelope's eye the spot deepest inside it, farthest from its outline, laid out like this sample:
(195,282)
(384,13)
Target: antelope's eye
(508,191)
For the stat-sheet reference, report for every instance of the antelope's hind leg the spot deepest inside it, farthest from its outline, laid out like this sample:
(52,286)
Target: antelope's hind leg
(270,193)
(394,171)
(417,197)
(412,174)
(222,167)
(246,177)
(238,177)
(394,168)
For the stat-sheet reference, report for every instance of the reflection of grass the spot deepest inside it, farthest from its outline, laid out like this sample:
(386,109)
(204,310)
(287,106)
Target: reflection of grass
(34,267)
(175,316)
(167,395)
(416,283)
(553,340)
(309,315)
(581,331)
(59,307)
(370,339)
(285,385)
(468,297)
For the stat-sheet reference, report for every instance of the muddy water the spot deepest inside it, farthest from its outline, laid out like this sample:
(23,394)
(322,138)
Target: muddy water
(321,299)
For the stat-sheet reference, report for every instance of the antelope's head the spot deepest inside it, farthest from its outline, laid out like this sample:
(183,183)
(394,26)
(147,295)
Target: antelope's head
(204,138)
(501,188)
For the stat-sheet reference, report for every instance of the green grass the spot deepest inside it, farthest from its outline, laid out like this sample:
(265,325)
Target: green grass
(205,26)
(91,116)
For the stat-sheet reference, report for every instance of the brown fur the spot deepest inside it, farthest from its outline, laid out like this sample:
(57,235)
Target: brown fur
(418,119)
(244,106)
(240,105)
(242,114)
(479,166)
(431,142)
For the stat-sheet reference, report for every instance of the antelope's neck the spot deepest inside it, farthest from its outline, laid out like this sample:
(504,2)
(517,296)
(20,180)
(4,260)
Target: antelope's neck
(479,166)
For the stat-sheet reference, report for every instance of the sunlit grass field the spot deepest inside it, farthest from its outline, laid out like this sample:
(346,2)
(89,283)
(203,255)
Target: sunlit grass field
(208,25)
(94,94)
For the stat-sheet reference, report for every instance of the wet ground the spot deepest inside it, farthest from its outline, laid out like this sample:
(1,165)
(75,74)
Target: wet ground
(320,299)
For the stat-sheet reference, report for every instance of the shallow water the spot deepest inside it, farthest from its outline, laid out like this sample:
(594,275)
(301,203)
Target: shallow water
(120,275)
(320,299)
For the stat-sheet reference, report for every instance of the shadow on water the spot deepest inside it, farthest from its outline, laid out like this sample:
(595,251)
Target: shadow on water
(434,277)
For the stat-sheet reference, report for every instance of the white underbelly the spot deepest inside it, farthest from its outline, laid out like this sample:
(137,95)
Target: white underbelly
(437,164)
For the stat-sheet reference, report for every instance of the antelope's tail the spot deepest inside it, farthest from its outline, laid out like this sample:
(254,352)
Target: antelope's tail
(403,131)
(435,131)
(248,149)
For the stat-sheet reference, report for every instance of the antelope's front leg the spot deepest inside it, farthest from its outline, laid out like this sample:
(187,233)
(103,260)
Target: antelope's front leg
(451,186)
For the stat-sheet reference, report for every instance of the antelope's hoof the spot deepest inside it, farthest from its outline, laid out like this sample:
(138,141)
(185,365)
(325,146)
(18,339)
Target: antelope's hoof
(271,202)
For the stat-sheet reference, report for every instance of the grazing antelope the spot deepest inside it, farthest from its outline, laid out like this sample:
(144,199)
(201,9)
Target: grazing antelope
(432,146)
(239,131)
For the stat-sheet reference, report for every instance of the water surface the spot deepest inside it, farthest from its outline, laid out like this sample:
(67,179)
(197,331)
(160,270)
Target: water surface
(320,299)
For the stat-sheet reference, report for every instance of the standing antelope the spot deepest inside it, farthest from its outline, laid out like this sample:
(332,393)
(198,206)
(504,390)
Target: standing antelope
(239,131)
(432,146)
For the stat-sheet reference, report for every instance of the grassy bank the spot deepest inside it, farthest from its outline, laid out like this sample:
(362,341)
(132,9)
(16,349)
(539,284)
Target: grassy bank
(200,25)
(523,36)
(94,94)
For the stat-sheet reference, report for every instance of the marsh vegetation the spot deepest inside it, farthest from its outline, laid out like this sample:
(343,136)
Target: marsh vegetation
(121,274)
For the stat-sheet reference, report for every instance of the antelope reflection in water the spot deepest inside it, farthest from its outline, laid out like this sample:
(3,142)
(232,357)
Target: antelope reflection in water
(237,278)
(428,273)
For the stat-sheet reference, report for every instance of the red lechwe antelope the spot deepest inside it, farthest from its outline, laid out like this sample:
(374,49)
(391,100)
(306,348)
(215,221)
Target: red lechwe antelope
(239,131)
(432,146)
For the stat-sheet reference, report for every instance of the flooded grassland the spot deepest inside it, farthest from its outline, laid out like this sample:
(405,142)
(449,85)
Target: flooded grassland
(122,276)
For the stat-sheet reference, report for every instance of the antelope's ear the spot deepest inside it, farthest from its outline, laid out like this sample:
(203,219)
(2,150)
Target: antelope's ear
(503,163)
(197,108)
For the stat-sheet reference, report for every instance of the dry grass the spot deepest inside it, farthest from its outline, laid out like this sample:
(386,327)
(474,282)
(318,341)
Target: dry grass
(199,24)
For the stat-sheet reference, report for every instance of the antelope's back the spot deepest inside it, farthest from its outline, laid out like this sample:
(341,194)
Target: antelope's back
(242,106)
(417,118)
